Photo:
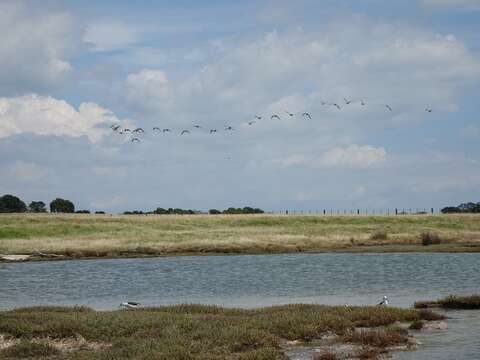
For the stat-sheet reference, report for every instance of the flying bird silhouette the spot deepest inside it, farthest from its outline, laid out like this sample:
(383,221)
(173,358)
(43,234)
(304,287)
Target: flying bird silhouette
(347,102)
(126,130)
(388,107)
(185,132)
(212,131)
(138,130)
(336,105)
(165,130)
(275,116)
(306,114)
(428,110)
(290,114)
(135,139)
(258,117)
(197,126)
(362,102)
(156,129)
(251,122)
(229,128)
(115,127)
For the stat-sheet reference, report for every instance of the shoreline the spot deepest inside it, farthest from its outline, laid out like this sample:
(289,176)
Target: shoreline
(385,249)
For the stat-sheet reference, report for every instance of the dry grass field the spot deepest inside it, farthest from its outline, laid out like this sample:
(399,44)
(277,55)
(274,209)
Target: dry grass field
(78,235)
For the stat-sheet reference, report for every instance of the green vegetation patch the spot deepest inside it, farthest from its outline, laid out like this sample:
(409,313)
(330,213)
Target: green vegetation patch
(190,331)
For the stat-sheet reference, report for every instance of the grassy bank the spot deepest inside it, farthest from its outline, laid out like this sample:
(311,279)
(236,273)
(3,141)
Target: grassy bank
(112,236)
(195,331)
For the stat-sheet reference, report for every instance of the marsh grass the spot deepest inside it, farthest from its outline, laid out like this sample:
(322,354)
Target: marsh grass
(416,325)
(193,331)
(382,338)
(468,302)
(80,236)
(326,355)
(27,349)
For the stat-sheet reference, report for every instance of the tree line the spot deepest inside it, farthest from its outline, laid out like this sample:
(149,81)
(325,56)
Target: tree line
(13,204)
(178,211)
(465,208)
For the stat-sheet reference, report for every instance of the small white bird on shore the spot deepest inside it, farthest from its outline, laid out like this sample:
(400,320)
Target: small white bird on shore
(130,305)
(384,301)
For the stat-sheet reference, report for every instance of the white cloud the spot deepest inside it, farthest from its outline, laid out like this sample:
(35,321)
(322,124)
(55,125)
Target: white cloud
(148,89)
(44,115)
(456,4)
(35,48)
(111,36)
(353,156)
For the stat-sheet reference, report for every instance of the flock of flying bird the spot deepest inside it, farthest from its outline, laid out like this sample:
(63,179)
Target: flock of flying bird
(135,133)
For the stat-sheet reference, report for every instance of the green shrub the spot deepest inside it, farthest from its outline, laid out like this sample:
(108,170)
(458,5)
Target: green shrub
(430,238)
(379,235)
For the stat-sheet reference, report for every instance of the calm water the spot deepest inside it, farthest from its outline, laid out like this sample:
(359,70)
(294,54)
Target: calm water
(251,281)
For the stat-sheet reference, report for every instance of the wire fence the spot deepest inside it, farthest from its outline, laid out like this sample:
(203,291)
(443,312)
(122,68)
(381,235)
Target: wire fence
(359,212)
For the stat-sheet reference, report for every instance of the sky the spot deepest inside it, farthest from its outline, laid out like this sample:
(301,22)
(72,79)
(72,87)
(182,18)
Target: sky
(69,70)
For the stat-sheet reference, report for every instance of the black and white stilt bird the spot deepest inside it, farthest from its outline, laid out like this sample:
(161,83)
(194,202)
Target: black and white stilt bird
(130,305)
(384,301)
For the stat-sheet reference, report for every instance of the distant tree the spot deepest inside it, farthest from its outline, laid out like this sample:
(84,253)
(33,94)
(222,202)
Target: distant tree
(100,212)
(134,212)
(214,212)
(11,204)
(450,210)
(245,210)
(62,206)
(82,212)
(469,207)
(160,211)
(37,207)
